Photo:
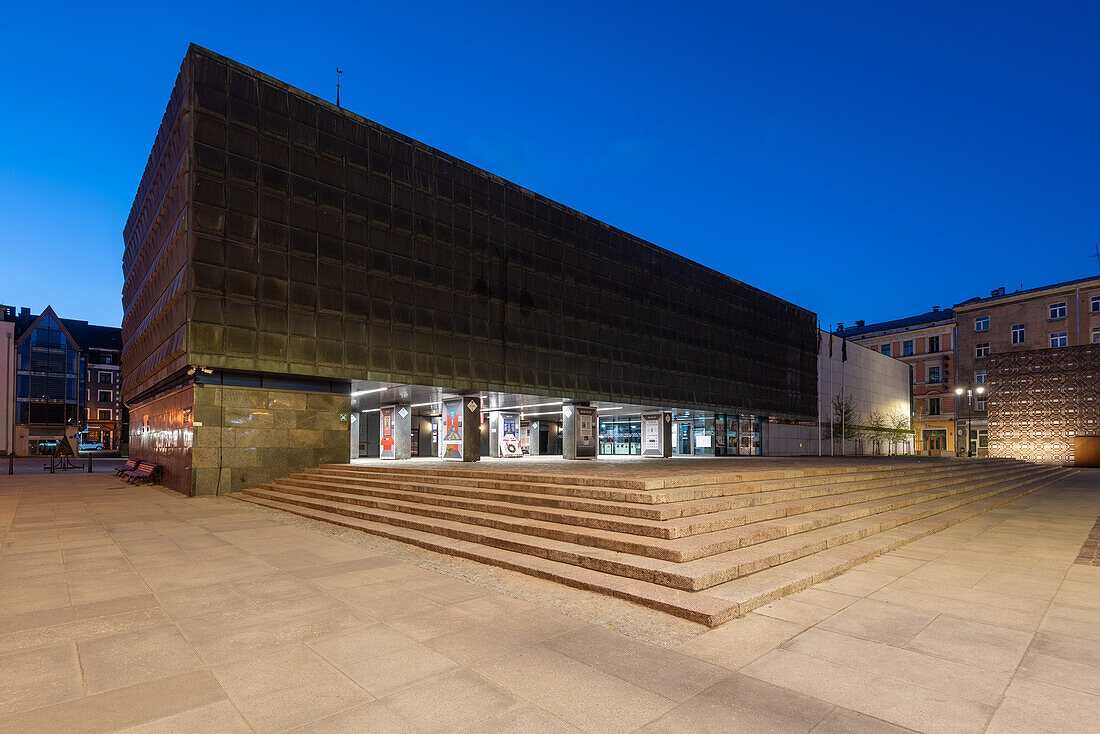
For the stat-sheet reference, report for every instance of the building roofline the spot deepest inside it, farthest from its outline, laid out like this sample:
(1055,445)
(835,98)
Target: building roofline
(195,48)
(931,318)
(980,300)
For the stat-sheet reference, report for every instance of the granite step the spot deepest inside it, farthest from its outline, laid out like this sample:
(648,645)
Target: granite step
(708,571)
(711,607)
(509,502)
(676,550)
(703,609)
(686,576)
(594,477)
(423,501)
(383,478)
(766,586)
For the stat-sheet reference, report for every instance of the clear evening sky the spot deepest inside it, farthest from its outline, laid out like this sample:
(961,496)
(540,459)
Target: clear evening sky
(860,159)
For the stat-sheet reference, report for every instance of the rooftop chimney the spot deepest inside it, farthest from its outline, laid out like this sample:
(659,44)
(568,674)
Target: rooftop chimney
(861,322)
(999,292)
(24,312)
(935,309)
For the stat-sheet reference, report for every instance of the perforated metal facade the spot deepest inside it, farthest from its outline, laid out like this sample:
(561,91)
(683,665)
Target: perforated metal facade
(319,243)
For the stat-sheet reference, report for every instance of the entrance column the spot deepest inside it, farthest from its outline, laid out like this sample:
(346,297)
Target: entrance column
(395,432)
(533,438)
(657,435)
(461,439)
(579,426)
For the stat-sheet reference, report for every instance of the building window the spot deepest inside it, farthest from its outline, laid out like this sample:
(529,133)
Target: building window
(1058,310)
(1096,335)
(979,377)
(933,406)
(981,350)
(933,374)
(1059,339)
(886,349)
(907,348)
(1095,304)
(981,323)
(105,378)
(979,404)
(106,359)
(933,344)
(104,415)
(1018,334)
(104,396)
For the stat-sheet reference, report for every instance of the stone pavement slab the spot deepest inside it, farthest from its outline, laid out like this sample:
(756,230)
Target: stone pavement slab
(137,610)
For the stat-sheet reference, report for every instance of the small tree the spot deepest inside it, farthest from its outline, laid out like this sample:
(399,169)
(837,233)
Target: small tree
(899,428)
(876,425)
(841,425)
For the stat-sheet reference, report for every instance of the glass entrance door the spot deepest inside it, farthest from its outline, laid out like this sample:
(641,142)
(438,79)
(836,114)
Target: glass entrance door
(622,437)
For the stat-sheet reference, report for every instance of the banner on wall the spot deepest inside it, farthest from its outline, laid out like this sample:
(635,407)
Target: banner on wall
(386,433)
(585,428)
(452,430)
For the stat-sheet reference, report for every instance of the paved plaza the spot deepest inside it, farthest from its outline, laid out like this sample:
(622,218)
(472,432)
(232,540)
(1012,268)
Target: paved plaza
(136,609)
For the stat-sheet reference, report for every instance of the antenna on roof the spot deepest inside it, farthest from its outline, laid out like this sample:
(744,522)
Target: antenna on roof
(1097,255)
(339,71)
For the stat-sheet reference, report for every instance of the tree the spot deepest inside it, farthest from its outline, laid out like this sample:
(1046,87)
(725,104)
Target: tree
(841,425)
(876,425)
(899,428)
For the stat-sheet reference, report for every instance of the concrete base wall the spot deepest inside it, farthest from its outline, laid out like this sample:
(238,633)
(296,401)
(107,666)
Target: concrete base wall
(246,436)
(787,439)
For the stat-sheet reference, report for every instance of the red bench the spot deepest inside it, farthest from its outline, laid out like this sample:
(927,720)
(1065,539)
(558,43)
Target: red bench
(144,472)
(130,465)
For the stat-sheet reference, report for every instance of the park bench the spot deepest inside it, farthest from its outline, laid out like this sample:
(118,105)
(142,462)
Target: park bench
(144,472)
(130,465)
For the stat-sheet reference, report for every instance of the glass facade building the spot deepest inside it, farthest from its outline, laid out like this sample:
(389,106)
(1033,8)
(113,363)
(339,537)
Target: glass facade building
(49,382)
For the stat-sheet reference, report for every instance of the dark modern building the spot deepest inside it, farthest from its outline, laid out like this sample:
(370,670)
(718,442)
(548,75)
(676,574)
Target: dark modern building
(292,270)
(66,379)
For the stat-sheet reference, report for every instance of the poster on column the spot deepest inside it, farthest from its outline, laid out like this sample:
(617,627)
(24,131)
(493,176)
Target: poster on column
(585,431)
(509,436)
(452,430)
(653,434)
(385,433)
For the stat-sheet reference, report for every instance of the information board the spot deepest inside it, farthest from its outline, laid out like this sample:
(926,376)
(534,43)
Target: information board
(585,431)
(653,434)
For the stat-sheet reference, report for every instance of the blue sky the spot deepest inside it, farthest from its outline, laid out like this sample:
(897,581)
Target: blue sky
(861,159)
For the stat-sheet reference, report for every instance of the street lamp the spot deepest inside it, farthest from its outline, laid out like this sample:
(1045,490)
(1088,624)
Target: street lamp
(969,403)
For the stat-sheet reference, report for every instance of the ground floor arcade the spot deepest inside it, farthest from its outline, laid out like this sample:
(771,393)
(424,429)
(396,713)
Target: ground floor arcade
(512,425)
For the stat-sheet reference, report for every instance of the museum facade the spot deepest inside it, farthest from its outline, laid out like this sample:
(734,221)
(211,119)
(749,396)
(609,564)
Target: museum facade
(295,274)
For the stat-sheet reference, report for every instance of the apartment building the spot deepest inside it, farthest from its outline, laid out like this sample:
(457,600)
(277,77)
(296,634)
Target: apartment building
(1028,349)
(926,343)
(103,397)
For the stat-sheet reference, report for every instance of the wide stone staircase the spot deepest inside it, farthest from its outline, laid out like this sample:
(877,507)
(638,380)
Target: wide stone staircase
(707,546)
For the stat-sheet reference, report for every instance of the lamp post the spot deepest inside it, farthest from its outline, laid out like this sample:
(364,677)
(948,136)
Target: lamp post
(969,402)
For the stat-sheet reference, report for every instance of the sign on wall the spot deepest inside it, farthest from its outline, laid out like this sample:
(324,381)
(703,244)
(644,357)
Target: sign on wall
(386,433)
(452,430)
